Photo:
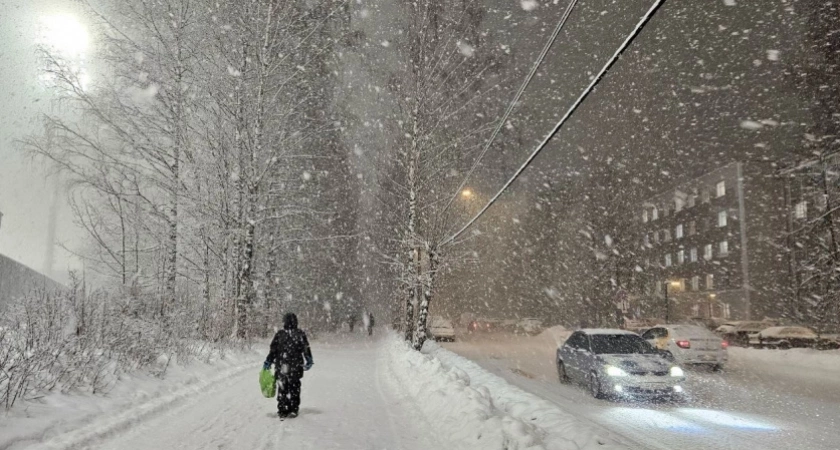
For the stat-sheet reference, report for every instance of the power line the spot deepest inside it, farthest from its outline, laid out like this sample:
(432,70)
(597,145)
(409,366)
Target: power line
(516,98)
(630,38)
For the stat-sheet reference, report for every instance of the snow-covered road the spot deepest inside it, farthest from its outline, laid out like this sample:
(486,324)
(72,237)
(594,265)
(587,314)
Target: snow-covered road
(746,407)
(347,404)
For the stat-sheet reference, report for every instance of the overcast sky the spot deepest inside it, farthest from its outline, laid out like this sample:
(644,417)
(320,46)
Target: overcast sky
(25,192)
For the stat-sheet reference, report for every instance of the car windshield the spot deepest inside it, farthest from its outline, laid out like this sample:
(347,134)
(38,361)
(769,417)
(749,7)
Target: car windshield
(619,344)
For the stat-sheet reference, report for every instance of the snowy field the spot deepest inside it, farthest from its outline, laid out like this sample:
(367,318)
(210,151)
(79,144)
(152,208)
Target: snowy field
(765,399)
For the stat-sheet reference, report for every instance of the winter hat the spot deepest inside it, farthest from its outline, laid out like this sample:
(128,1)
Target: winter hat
(290,321)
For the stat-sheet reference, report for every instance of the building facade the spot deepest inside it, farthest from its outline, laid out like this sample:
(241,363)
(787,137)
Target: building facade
(693,245)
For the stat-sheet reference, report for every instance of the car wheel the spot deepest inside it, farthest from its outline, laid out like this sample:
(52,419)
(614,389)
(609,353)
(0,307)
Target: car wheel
(595,386)
(717,368)
(784,345)
(561,372)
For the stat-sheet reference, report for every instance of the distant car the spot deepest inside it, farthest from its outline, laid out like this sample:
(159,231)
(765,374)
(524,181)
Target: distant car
(530,325)
(690,344)
(508,324)
(479,325)
(726,328)
(741,334)
(785,337)
(441,329)
(618,363)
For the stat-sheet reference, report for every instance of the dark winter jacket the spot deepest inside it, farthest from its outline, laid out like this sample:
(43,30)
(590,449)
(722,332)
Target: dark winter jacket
(289,348)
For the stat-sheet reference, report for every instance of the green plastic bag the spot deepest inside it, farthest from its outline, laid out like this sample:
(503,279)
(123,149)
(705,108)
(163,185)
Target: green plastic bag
(267,385)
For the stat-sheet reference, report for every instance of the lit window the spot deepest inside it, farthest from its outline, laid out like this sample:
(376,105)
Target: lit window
(725,308)
(705,196)
(695,283)
(722,219)
(692,228)
(668,260)
(678,232)
(724,248)
(647,239)
(680,256)
(695,310)
(707,251)
(678,205)
(801,211)
(693,254)
(720,188)
(667,235)
(658,287)
(654,213)
(656,236)
(710,281)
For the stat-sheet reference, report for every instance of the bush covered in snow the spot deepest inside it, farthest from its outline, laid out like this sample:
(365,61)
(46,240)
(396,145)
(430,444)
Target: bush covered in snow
(72,341)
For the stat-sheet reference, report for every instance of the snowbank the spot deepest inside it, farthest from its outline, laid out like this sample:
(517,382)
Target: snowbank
(477,410)
(801,361)
(76,419)
(557,428)
(463,416)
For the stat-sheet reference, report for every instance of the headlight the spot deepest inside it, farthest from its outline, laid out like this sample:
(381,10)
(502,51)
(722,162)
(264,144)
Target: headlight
(614,371)
(677,372)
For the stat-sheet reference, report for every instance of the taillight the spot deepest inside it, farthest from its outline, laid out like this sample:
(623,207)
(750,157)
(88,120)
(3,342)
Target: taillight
(684,344)
(724,345)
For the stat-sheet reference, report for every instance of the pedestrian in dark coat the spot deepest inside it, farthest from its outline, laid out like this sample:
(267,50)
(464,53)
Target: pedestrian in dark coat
(291,356)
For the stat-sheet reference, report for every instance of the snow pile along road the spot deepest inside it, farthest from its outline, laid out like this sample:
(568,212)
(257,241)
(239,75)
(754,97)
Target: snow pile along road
(556,428)
(477,410)
(460,414)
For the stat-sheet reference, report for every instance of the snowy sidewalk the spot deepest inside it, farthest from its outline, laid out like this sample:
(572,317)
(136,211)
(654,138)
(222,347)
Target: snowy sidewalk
(346,405)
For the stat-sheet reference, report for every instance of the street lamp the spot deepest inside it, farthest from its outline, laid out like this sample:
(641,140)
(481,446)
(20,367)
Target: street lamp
(467,193)
(711,304)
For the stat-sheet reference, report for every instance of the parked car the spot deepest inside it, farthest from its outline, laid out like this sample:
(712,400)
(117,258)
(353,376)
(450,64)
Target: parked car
(690,344)
(726,328)
(741,334)
(441,329)
(785,337)
(618,363)
(530,326)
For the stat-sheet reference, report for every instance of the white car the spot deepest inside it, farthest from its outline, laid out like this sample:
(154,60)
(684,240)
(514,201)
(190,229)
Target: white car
(618,364)
(441,329)
(690,344)
(530,325)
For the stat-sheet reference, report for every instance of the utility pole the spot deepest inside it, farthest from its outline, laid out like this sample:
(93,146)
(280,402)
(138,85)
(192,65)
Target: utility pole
(667,304)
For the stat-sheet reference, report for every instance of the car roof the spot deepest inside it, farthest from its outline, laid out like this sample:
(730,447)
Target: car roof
(591,331)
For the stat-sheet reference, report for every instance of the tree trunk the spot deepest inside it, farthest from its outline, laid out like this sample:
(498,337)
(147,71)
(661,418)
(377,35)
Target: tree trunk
(423,310)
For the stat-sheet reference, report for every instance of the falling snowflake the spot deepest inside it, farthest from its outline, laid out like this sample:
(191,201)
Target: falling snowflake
(529,5)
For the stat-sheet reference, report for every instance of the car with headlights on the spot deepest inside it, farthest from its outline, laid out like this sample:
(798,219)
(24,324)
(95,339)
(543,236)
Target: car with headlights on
(619,364)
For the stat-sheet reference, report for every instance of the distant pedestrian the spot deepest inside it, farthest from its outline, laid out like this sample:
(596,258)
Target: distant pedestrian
(370,324)
(351,321)
(291,356)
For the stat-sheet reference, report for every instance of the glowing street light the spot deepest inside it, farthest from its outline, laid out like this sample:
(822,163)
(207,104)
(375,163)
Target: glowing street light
(68,40)
(65,35)
(467,193)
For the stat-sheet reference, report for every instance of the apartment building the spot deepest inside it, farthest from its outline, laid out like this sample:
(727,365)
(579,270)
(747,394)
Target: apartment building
(693,244)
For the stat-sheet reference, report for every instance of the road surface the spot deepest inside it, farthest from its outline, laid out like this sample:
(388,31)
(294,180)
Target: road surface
(348,403)
(741,408)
